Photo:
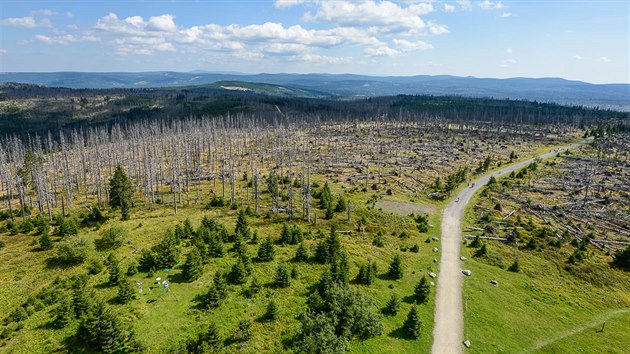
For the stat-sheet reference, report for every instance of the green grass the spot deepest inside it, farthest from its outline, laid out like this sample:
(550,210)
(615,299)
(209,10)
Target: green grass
(529,307)
(613,339)
(162,324)
(548,307)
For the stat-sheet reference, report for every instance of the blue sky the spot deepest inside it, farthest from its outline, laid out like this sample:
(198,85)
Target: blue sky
(579,40)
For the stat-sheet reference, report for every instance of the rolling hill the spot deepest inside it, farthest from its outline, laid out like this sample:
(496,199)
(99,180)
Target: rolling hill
(615,96)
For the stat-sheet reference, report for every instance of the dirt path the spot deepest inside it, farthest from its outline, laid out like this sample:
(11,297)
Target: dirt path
(448,333)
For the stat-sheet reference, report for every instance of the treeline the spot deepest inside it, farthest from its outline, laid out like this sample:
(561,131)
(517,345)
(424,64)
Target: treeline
(505,110)
(63,108)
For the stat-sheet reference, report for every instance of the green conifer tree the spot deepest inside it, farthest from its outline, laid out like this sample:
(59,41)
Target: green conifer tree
(238,273)
(105,332)
(211,299)
(396,268)
(207,342)
(515,267)
(254,286)
(393,305)
(64,312)
(412,325)
(244,331)
(115,273)
(188,231)
(219,283)
(125,292)
(285,235)
(193,267)
(301,255)
(482,251)
(120,192)
(45,243)
(282,277)
(325,197)
(132,268)
(239,245)
(215,245)
(242,226)
(266,251)
(341,205)
(421,291)
(272,311)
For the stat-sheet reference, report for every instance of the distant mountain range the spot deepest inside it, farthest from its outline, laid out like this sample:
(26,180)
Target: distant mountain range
(616,96)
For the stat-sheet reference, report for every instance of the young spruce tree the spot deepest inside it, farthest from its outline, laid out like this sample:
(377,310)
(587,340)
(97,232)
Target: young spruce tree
(301,255)
(193,268)
(120,192)
(412,325)
(393,305)
(396,268)
(266,251)
(421,292)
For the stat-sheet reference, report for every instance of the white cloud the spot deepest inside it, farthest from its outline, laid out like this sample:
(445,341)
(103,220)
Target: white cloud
(506,15)
(436,29)
(320,59)
(136,21)
(604,60)
(421,8)
(45,23)
(464,4)
(135,35)
(382,51)
(65,39)
(44,12)
(578,57)
(271,31)
(449,8)
(162,23)
(509,51)
(19,22)
(385,15)
(111,23)
(3,52)
(489,5)
(356,36)
(510,61)
(49,13)
(285,48)
(142,45)
(408,46)
(366,25)
(281,4)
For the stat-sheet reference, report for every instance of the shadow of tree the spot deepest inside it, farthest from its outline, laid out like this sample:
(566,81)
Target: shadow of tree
(57,263)
(177,278)
(399,333)
(74,344)
(409,299)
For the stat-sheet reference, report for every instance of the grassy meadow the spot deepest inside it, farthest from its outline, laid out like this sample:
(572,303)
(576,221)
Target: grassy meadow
(163,320)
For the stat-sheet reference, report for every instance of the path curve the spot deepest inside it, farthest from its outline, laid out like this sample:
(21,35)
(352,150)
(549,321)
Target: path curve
(448,332)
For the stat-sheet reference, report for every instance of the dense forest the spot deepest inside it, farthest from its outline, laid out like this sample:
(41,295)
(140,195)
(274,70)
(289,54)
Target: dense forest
(31,108)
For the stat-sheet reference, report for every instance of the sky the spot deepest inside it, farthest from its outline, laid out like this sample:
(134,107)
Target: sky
(572,39)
